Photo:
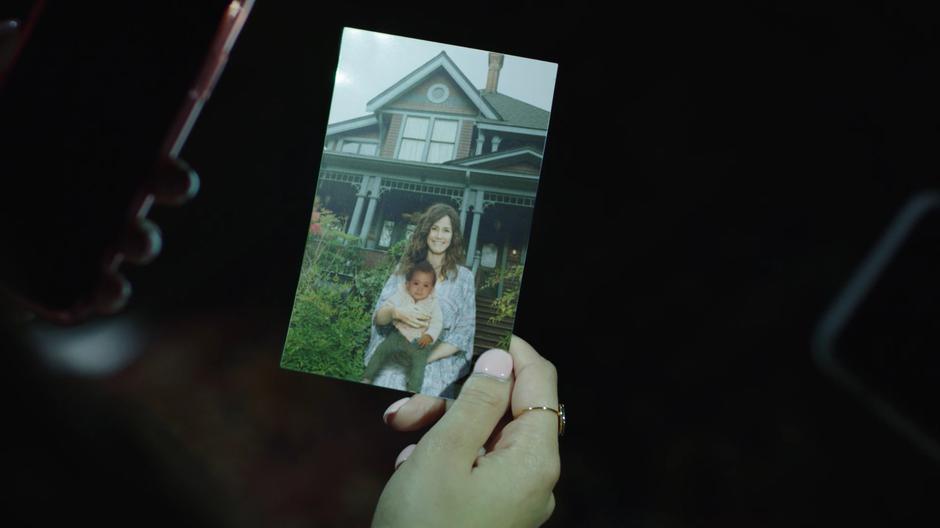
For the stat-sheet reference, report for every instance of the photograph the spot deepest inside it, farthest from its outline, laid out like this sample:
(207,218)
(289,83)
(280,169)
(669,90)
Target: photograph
(420,224)
(529,265)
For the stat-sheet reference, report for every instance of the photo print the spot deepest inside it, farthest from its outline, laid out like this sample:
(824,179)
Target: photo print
(423,208)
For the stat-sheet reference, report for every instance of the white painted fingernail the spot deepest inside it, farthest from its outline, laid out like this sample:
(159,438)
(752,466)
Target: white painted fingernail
(154,240)
(495,363)
(393,408)
(405,453)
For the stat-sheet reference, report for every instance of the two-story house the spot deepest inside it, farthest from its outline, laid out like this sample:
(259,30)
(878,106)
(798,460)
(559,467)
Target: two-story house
(434,137)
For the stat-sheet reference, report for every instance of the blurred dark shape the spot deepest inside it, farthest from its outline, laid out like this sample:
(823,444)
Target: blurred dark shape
(96,97)
(881,337)
(748,159)
(89,96)
(70,454)
(95,349)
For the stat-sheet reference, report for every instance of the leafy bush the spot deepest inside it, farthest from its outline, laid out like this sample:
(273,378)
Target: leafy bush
(330,323)
(369,282)
(505,304)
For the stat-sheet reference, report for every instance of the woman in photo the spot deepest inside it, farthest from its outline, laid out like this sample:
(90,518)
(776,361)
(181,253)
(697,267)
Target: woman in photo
(437,239)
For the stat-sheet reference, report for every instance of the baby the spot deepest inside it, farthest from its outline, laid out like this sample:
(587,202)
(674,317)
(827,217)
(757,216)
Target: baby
(407,345)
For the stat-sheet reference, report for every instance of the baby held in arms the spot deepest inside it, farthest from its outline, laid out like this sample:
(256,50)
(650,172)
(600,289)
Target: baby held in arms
(407,345)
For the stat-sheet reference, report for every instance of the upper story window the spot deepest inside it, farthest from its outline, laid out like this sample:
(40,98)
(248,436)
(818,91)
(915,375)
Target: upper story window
(360,147)
(429,139)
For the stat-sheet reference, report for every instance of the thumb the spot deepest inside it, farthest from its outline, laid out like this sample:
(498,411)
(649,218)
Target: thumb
(467,425)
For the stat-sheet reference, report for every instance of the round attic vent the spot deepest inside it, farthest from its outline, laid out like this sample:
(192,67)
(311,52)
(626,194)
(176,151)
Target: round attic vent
(438,93)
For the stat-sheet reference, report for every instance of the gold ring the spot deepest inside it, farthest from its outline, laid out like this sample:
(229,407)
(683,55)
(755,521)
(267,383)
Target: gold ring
(560,411)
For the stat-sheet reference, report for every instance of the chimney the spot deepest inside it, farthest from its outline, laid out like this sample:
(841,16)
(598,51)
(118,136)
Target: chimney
(492,78)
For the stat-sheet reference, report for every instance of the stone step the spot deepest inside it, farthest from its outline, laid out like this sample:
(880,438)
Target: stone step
(502,325)
(493,329)
(487,312)
(488,335)
(482,346)
(489,332)
(488,340)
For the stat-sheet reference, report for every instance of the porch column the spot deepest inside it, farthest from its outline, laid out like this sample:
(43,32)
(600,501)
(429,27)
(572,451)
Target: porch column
(464,206)
(480,139)
(370,212)
(502,264)
(357,211)
(475,230)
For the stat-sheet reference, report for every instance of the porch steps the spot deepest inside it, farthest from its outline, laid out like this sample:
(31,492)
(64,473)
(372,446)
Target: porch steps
(488,334)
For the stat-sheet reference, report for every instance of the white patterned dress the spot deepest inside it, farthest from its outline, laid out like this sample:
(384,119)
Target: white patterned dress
(457,299)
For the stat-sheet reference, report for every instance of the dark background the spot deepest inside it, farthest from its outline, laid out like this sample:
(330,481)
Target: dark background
(712,178)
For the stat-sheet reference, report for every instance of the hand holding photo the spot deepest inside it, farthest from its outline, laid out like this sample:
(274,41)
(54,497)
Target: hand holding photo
(421,219)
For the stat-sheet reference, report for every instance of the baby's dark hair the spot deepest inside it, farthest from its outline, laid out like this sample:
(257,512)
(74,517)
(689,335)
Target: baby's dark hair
(424,267)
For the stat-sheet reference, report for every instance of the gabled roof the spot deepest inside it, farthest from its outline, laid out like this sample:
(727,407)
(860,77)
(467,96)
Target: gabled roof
(521,153)
(351,124)
(415,77)
(515,112)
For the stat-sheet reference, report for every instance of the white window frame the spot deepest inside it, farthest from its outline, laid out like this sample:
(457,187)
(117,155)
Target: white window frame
(360,142)
(427,136)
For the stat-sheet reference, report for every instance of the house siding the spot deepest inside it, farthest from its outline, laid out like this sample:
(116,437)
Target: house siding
(391,139)
(416,98)
(464,138)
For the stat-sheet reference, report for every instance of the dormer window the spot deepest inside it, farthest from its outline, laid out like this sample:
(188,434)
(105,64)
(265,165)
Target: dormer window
(429,139)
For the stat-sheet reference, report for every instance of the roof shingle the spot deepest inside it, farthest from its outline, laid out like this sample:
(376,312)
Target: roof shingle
(515,112)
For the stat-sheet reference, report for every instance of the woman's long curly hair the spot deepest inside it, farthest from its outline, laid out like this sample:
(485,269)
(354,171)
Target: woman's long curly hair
(417,249)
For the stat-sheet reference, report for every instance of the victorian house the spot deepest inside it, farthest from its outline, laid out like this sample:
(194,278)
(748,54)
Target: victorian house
(434,137)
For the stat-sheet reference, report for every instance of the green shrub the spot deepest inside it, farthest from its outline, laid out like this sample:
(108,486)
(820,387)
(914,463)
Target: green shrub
(505,304)
(330,324)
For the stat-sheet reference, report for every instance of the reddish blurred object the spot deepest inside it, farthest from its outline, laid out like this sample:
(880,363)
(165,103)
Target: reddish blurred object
(315,228)
(97,103)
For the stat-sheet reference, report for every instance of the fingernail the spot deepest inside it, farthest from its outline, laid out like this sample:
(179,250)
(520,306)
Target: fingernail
(393,408)
(154,240)
(113,293)
(143,242)
(405,453)
(176,182)
(192,185)
(496,363)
